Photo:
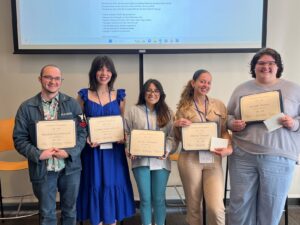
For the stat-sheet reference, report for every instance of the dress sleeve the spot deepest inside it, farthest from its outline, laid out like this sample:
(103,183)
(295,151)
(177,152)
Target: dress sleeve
(83,93)
(121,94)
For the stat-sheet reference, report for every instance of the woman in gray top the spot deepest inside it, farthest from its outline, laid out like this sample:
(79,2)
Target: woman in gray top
(262,164)
(151,173)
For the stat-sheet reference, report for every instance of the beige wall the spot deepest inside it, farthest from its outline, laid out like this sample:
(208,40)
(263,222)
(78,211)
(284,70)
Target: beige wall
(18,73)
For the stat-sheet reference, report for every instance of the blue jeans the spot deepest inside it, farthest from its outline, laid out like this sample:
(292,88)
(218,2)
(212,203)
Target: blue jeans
(152,190)
(68,186)
(259,186)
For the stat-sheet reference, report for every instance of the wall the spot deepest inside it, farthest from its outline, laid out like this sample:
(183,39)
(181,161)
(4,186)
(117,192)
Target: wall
(18,73)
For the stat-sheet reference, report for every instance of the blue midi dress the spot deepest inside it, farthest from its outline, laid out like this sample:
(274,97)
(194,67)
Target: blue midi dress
(105,193)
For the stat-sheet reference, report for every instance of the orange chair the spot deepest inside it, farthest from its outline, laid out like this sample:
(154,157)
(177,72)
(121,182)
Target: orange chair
(176,182)
(6,144)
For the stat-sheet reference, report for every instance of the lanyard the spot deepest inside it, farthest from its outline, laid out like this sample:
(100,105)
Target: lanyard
(147,116)
(101,103)
(201,114)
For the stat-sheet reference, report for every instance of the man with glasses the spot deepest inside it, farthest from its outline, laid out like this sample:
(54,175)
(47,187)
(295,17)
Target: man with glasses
(52,169)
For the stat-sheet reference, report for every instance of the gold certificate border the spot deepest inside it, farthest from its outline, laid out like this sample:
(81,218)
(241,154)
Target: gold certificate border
(55,134)
(261,106)
(150,143)
(108,137)
(194,139)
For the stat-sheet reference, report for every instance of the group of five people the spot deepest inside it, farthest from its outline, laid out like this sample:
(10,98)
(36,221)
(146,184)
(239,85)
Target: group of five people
(261,163)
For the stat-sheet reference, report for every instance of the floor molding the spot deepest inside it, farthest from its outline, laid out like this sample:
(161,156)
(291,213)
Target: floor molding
(171,202)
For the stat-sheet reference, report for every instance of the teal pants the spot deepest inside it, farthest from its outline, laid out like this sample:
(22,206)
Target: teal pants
(152,190)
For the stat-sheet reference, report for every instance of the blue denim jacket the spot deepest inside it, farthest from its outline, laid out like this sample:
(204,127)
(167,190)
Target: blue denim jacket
(24,134)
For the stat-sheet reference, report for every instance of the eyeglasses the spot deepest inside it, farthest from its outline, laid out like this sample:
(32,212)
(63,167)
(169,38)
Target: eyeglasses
(266,63)
(49,78)
(156,92)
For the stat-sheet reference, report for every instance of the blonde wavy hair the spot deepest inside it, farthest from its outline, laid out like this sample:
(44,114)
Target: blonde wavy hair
(187,95)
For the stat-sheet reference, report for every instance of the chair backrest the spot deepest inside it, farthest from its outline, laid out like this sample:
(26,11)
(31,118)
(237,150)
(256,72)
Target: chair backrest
(6,134)
(174,156)
(174,179)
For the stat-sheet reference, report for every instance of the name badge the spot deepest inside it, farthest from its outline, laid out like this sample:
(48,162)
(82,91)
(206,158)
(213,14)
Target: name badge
(206,157)
(106,146)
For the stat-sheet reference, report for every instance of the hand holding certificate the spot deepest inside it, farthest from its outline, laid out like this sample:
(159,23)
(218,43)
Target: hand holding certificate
(106,129)
(218,143)
(149,143)
(198,136)
(220,146)
(261,106)
(55,134)
(273,122)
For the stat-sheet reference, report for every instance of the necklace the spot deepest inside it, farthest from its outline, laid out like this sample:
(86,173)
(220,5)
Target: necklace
(102,93)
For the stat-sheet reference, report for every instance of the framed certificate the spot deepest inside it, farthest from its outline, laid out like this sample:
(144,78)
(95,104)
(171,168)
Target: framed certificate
(197,136)
(106,129)
(261,106)
(55,133)
(149,143)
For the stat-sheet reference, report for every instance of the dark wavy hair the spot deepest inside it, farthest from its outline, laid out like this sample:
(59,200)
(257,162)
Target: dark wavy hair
(161,107)
(98,63)
(267,51)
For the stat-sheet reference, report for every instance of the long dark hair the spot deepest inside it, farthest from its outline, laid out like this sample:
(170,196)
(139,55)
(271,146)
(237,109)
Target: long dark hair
(161,107)
(267,51)
(98,63)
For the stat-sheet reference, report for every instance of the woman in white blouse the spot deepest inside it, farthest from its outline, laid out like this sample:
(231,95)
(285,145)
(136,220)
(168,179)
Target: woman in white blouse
(151,173)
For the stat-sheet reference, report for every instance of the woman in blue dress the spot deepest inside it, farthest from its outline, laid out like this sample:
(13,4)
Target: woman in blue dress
(105,194)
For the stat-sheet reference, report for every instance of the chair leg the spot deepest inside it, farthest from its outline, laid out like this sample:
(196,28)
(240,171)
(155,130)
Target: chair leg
(1,203)
(204,211)
(226,181)
(286,212)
